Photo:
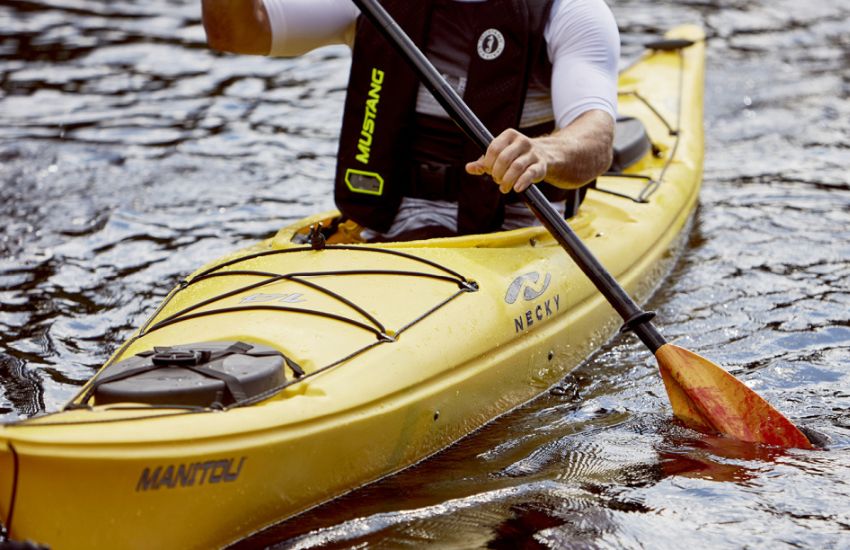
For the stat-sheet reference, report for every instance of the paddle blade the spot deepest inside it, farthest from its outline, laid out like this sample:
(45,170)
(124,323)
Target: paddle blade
(707,397)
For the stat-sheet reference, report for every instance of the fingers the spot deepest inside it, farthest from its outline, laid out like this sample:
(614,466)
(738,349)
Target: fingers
(513,162)
(533,174)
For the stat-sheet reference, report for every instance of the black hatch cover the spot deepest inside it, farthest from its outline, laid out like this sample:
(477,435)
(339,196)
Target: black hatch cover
(201,374)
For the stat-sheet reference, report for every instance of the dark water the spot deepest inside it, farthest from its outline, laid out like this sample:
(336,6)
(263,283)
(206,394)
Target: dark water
(130,154)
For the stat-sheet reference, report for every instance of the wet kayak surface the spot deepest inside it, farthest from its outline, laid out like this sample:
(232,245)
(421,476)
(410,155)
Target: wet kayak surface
(130,154)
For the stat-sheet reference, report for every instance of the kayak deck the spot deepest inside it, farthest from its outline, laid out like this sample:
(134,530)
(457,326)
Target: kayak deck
(392,352)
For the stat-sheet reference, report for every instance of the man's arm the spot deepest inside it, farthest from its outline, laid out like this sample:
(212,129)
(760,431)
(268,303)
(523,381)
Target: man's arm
(567,158)
(584,46)
(237,26)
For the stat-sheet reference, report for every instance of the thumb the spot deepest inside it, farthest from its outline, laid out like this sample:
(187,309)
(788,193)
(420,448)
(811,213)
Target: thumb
(476,168)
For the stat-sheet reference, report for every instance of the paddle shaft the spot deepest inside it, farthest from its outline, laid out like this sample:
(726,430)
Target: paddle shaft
(533,197)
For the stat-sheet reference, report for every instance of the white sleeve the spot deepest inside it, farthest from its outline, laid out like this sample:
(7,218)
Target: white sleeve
(298,26)
(584,46)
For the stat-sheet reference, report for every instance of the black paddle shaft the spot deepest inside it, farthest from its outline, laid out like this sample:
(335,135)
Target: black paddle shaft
(636,319)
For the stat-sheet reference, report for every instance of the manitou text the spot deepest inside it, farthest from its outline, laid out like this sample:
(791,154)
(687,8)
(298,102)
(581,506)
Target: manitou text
(190,475)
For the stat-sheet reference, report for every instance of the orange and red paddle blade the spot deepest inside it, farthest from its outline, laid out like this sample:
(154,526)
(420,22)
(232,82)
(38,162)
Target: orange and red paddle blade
(708,398)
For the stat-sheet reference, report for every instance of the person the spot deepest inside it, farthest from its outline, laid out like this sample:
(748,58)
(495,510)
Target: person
(541,74)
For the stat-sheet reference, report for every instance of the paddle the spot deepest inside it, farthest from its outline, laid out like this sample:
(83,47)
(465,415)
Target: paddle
(701,393)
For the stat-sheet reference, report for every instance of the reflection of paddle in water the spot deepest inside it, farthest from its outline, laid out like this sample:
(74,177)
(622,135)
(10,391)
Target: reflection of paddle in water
(719,458)
(707,459)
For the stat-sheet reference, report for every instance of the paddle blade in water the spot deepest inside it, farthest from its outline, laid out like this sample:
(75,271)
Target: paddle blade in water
(707,397)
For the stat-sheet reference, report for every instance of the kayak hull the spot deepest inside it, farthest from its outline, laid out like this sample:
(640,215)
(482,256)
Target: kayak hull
(432,340)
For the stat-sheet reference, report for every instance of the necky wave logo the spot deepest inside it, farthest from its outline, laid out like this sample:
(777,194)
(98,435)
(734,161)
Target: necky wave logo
(527,285)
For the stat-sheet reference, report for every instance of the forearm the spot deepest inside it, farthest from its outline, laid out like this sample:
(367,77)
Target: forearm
(567,158)
(580,152)
(237,26)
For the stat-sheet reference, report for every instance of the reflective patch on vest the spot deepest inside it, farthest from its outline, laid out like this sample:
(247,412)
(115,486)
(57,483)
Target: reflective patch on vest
(368,183)
(491,44)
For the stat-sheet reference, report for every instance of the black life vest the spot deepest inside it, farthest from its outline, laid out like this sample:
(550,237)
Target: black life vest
(388,151)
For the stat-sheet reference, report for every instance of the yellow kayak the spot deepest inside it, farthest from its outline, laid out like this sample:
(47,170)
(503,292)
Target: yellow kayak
(286,374)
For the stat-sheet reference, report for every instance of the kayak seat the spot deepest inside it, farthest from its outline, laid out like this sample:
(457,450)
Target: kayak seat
(631,143)
(205,374)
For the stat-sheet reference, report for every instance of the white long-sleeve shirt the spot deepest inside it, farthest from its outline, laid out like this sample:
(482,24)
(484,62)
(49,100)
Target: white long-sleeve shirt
(582,41)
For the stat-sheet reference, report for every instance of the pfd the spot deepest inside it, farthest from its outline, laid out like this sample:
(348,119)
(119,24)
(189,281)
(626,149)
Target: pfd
(388,150)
